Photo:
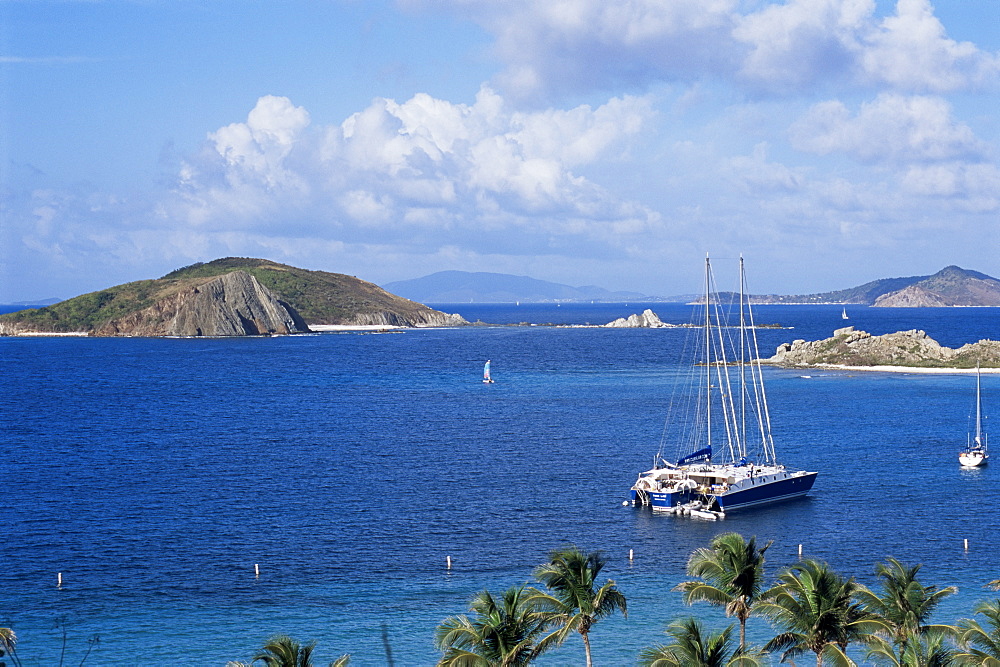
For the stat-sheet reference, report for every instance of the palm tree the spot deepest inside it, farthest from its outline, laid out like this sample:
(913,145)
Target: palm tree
(283,651)
(8,643)
(502,632)
(574,600)
(818,611)
(905,605)
(732,576)
(691,648)
(926,649)
(981,646)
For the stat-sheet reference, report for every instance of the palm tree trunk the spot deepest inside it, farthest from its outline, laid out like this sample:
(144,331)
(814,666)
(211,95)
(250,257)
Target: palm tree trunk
(586,647)
(743,633)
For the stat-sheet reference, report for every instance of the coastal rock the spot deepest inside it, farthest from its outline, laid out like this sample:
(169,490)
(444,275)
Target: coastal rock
(648,319)
(234,304)
(424,318)
(851,347)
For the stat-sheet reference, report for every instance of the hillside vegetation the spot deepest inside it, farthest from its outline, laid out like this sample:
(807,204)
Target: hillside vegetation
(318,297)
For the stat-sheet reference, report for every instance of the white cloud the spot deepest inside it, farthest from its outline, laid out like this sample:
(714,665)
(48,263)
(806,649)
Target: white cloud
(801,42)
(911,51)
(756,174)
(420,164)
(788,48)
(890,128)
(975,186)
(587,44)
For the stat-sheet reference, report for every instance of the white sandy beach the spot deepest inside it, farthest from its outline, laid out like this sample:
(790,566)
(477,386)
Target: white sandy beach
(896,369)
(352,327)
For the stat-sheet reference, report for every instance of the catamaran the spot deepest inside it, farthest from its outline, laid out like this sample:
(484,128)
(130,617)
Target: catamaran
(720,469)
(486,373)
(975,453)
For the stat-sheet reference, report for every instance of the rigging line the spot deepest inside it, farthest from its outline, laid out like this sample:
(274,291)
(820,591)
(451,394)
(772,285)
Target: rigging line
(721,363)
(764,414)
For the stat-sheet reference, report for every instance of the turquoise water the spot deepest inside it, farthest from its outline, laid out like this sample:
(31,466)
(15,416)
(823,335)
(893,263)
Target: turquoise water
(154,474)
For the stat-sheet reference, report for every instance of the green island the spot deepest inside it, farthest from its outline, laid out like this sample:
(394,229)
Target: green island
(814,612)
(294,298)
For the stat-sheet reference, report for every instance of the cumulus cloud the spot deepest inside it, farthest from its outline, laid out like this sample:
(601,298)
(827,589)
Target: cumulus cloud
(410,167)
(778,47)
(801,42)
(890,128)
(590,44)
(756,174)
(911,51)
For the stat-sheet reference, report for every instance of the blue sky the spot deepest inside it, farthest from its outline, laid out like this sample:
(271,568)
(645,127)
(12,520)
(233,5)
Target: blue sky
(831,142)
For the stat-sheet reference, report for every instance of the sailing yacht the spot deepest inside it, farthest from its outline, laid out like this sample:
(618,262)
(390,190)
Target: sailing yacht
(486,373)
(843,315)
(720,469)
(975,453)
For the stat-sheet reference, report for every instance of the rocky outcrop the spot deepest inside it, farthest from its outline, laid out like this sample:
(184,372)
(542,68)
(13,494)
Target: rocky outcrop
(648,319)
(233,304)
(424,318)
(851,347)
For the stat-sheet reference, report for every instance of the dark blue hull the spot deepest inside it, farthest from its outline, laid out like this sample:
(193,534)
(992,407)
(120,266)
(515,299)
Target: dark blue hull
(769,492)
(783,489)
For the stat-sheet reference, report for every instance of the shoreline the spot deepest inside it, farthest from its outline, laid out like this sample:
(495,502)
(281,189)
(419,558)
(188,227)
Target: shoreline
(892,369)
(320,328)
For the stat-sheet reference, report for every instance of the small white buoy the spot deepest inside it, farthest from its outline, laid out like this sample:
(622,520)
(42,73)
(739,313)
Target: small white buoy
(448,559)
(966,540)
(59,580)
(800,551)
(630,554)
(256,570)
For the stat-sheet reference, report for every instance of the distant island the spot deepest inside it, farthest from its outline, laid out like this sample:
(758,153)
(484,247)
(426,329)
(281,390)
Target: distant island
(483,287)
(951,286)
(233,296)
(849,347)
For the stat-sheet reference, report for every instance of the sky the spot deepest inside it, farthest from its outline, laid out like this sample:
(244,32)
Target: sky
(585,142)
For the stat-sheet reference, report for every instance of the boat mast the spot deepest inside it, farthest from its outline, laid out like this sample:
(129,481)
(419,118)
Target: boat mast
(708,349)
(742,438)
(979,404)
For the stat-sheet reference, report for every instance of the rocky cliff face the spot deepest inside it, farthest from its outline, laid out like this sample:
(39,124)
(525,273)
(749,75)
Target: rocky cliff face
(913,296)
(234,304)
(850,347)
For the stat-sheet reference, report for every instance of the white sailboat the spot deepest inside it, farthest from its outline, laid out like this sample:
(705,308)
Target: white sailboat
(712,477)
(486,373)
(975,453)
(843,315)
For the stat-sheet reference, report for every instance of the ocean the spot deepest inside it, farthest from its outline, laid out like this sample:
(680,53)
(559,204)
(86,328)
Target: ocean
(154,474)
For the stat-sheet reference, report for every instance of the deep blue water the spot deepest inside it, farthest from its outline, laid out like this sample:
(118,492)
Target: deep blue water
(154,473)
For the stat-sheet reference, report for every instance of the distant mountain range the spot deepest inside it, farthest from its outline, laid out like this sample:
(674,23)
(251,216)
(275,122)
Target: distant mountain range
(481,287)
(951,286)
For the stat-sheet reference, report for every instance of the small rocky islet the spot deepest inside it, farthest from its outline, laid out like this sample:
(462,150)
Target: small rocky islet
(913,349)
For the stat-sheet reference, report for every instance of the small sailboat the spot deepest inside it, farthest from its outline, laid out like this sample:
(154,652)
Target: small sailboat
(843,315)
(975,453)
(486,373)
